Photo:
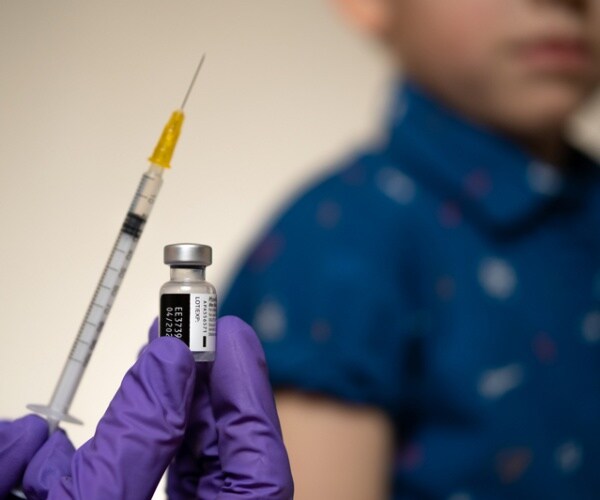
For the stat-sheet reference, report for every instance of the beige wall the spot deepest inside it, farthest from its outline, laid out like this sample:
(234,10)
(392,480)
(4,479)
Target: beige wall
(85,88)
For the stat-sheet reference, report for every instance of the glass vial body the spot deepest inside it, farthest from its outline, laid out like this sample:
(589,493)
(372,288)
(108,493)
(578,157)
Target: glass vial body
(188,303)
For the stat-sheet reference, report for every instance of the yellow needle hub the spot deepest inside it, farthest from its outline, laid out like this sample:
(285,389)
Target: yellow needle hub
(165,147)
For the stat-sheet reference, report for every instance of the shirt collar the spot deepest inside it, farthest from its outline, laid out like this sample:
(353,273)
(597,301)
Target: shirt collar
(488,176)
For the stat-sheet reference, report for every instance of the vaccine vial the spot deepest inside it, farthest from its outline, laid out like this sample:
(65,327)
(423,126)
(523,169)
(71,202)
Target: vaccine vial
(188,303)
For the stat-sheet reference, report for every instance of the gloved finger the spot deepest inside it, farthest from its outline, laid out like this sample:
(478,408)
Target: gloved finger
(19,441)
(196,471)
(141,430)
(50,465)
(253,458)
(196,467)
(249,438)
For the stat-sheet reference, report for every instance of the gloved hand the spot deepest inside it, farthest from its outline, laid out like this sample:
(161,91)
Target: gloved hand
(162,395)
(19,441)
(233,446)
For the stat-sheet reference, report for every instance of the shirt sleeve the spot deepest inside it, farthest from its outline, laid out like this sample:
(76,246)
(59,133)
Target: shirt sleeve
(324,292)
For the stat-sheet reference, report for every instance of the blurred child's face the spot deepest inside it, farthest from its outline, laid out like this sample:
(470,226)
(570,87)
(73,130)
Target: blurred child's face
(520,65)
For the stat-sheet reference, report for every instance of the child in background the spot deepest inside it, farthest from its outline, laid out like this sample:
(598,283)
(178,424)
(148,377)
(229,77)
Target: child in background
(430,310)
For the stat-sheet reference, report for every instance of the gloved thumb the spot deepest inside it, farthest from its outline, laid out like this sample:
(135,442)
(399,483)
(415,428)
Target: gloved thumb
(138,435)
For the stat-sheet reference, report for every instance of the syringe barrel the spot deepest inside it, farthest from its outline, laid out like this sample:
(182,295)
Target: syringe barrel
(106,291)
(146,193)
(66,388)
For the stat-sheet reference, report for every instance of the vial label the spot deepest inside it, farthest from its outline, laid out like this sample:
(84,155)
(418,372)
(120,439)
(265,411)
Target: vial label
(191,318)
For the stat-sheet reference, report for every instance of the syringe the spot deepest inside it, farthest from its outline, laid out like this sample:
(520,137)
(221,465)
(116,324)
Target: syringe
(112,276)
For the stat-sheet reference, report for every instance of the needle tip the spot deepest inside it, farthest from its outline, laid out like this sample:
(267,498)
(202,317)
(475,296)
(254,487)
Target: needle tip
(189,90)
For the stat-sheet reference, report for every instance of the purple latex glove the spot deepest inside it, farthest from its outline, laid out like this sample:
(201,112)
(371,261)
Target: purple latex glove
(19,441)
(233,446)
(134,441)
(162,395)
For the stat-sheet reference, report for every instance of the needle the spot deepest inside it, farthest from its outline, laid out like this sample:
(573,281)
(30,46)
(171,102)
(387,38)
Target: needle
(187,94)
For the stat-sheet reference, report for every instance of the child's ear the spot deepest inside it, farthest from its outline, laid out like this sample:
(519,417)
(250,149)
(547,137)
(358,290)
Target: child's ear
(370,16)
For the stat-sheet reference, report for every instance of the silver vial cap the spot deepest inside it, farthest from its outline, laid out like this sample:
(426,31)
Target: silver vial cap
(188,254)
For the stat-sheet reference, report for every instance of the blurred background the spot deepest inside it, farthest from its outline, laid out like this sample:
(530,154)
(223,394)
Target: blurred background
(85,89)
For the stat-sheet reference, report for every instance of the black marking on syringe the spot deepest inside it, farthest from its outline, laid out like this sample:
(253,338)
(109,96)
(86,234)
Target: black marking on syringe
(133,225)
(75,347)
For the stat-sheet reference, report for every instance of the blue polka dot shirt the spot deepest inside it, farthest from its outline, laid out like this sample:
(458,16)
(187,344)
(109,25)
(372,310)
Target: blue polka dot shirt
(452,280)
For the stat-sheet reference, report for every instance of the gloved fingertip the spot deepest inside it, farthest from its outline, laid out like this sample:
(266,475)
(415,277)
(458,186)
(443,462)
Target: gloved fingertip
(19,441)
(238,350)
(33,430)
(166,366)
(233,330)
(51,463)
(170,351)
(59,443)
